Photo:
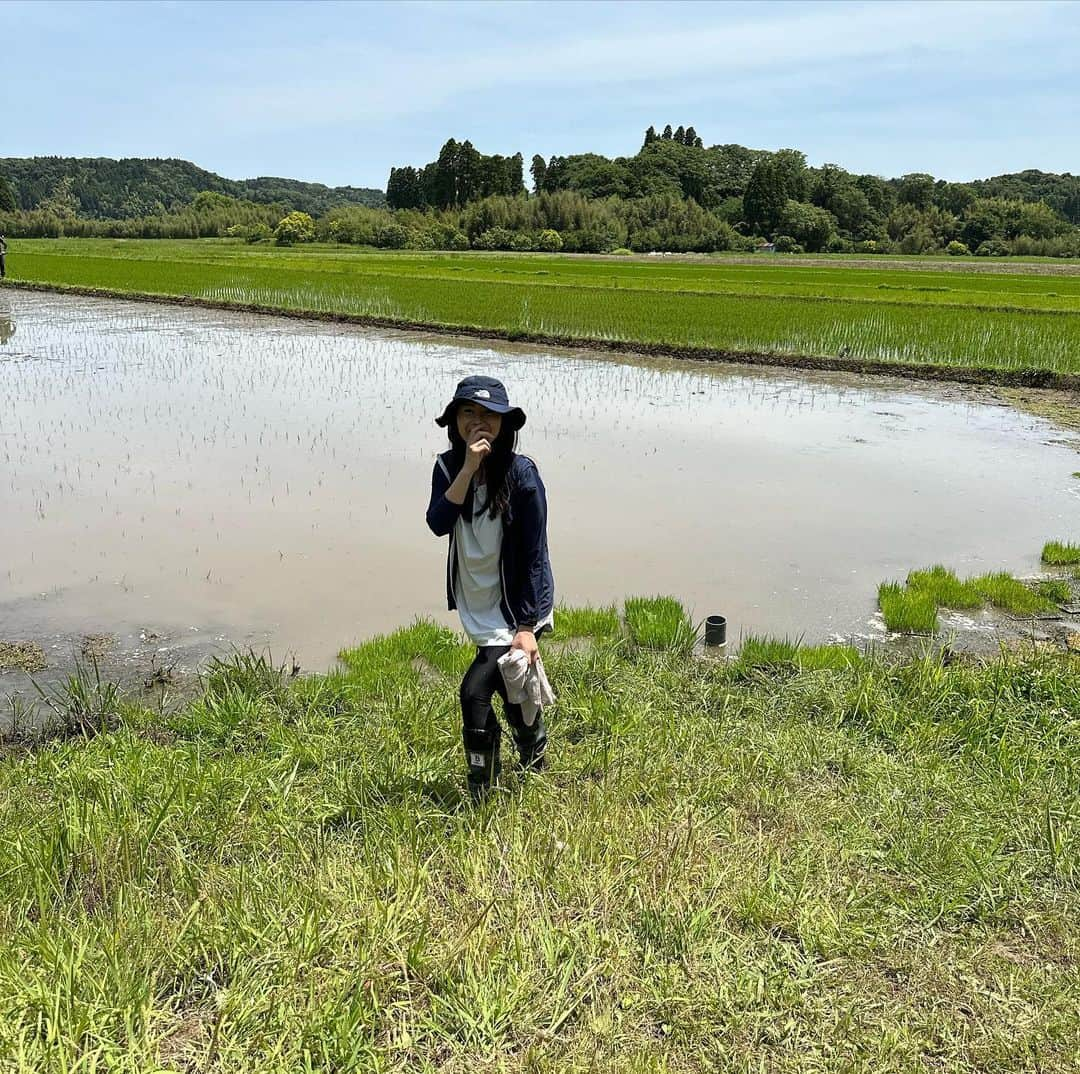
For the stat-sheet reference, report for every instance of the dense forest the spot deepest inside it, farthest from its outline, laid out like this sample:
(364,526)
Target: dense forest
(675,194)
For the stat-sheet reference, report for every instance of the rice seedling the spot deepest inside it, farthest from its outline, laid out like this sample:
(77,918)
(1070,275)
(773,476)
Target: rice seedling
(769,652)
(1060,553)
(938,587)
(659,623)
(908,611)
(586,622)
(945,589)
(1004,591)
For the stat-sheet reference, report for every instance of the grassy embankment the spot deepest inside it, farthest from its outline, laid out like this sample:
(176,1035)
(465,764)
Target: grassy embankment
(802,860)
(1009,328)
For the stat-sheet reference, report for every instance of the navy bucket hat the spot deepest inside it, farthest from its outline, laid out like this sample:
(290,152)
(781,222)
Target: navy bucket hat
(488,393)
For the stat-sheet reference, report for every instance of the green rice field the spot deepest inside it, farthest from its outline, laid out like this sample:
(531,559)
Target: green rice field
(1003,324)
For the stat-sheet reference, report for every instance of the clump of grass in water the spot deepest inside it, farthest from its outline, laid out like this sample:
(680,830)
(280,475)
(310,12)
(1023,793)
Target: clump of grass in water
(1061,553)
(913,608)
(944,588)
(1006,592)
(908,611)
(659,623)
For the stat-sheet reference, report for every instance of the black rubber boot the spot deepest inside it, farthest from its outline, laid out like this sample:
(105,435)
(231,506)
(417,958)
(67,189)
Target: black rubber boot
(482,760)
(531,743)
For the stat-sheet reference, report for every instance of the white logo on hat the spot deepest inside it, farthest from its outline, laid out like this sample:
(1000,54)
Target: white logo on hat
(482,393)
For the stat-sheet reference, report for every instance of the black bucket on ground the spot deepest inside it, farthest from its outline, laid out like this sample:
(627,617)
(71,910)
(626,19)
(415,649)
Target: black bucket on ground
(716,630)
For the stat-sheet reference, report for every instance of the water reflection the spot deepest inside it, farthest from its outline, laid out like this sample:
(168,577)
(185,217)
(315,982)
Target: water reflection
(181,467)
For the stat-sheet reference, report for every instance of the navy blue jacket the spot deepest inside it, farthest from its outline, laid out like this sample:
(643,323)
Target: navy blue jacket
(528,588)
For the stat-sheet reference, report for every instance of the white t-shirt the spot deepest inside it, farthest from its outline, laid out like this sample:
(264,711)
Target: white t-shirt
(478,589)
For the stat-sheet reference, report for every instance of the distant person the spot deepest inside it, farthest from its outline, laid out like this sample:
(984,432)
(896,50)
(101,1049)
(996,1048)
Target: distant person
(3,256)
(493,505)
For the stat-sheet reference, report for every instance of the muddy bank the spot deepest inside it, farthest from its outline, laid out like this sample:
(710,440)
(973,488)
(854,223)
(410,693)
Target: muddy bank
(163,673)
(911,370)
(156,669)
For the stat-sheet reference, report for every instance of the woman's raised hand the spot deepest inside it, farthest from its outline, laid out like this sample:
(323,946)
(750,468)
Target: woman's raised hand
(477,449)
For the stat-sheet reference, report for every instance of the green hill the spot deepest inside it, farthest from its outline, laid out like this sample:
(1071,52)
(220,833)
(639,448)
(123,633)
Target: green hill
(123,189)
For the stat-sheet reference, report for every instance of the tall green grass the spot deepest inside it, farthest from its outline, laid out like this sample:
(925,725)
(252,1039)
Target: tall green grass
(851,865)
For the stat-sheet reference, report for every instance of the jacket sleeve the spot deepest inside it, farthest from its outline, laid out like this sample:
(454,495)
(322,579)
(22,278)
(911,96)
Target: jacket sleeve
(531,511)
(442,515)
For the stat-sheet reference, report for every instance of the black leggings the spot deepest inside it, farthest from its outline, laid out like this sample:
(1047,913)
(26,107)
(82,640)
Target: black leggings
(482,681)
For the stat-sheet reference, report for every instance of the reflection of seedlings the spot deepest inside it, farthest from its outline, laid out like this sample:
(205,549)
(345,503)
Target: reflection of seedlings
(22,656)
(1061,553)
(95,646)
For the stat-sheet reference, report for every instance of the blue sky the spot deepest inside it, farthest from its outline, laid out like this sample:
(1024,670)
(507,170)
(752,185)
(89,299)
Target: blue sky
(339,92)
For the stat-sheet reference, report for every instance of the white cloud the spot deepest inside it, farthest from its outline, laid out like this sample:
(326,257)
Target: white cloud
(774,42)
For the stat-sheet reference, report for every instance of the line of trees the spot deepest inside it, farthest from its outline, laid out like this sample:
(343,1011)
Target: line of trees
(682,135)
(210,215)
(675,194)
(732,194)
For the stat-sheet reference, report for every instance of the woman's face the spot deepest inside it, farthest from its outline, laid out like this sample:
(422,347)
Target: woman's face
(471,417)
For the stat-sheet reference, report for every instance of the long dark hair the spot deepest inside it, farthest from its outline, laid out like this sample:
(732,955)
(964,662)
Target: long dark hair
(496,466)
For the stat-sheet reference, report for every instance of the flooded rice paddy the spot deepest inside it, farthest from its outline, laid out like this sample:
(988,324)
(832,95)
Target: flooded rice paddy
(206,478)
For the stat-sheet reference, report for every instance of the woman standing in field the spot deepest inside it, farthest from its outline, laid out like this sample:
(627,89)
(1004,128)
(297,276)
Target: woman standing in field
(492,503)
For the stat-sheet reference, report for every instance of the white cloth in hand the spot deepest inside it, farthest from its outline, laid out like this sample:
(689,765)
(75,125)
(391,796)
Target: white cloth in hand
(526,684)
